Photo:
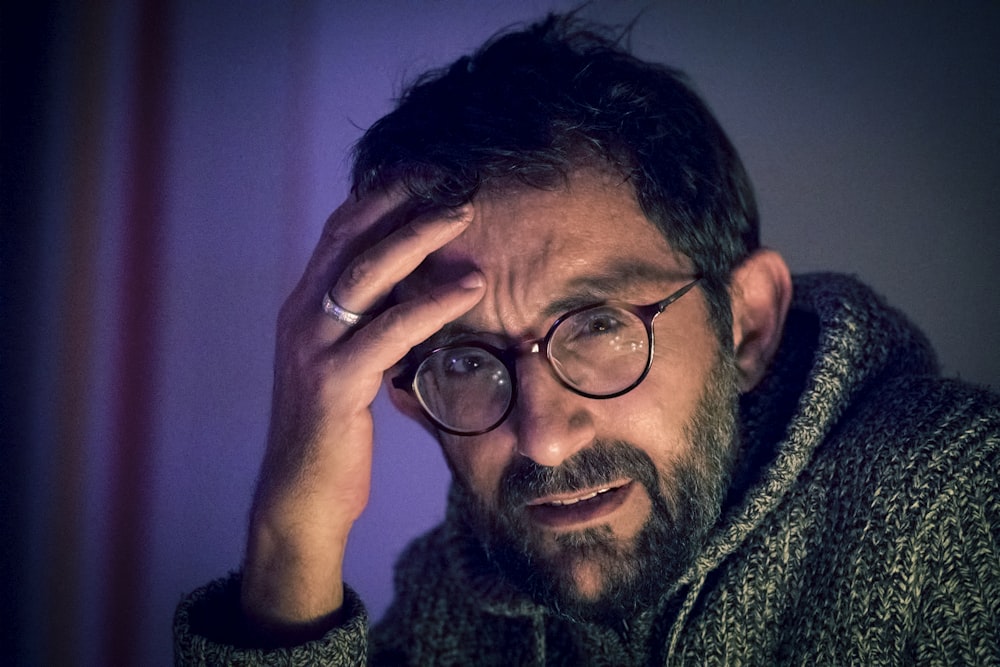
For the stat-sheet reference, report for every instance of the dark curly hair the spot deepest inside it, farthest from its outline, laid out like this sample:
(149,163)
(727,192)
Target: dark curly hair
(530,106)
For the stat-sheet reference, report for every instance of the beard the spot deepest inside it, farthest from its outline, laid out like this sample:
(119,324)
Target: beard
(686,498)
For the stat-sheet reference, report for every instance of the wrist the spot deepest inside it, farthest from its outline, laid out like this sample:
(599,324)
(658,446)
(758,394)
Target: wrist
(292,580)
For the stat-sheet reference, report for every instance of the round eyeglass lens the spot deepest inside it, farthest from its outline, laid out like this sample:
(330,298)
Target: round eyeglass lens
(465,388)
(601,350)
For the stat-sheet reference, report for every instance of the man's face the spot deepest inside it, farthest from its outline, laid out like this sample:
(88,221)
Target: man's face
(582,501)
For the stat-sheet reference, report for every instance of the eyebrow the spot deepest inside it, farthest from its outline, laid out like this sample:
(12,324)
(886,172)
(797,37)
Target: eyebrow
(611,284)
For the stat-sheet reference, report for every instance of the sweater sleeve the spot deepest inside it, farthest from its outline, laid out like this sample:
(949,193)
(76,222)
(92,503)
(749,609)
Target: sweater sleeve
(208,630)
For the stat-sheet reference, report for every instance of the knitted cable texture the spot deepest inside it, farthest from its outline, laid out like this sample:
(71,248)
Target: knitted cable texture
(863,528)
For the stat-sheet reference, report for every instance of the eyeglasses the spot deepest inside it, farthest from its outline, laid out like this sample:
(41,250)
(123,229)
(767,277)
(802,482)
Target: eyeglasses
(598,351)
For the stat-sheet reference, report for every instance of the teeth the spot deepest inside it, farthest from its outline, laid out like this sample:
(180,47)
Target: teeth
(573,501)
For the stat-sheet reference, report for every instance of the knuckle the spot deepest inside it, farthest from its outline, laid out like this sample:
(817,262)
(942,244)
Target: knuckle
(357,272)
(304,357)
(389,327)
(387,336)
(392,320)
(410,232)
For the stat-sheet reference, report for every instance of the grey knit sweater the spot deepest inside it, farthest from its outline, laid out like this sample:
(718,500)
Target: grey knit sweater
(864,529)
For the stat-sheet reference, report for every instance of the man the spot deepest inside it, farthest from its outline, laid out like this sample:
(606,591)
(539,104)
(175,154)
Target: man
(661,452)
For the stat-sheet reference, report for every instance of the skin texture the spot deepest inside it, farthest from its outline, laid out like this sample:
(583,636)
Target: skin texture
(316,471)
(542,252)
(506,266)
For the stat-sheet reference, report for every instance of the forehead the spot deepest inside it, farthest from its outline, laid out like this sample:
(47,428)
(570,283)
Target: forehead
(594,219)
(588,239)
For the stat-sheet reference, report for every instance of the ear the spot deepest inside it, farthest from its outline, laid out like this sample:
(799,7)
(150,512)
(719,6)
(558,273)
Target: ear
(760,292)
(407,403)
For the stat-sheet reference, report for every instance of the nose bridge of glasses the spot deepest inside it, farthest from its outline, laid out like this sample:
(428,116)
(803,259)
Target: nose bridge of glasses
(524,350)
(538,346)
(511,355)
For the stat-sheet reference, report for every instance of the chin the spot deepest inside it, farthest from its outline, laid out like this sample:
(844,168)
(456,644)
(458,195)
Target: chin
(588,580)
(594,575)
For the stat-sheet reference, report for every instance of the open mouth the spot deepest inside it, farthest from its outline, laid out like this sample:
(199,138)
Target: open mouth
(570,509)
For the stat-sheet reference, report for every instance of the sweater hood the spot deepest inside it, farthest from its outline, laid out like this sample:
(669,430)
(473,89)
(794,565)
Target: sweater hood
(840,341)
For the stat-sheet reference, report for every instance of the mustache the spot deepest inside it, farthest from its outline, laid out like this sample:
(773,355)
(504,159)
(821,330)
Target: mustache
(599,464)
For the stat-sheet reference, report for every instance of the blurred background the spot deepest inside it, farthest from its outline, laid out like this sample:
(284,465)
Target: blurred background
(167,167)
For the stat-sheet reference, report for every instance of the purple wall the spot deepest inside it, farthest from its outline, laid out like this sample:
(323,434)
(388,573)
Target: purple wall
(870,131)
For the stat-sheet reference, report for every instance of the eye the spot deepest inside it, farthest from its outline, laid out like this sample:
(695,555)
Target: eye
(603,324)
(595,323)
(466,362)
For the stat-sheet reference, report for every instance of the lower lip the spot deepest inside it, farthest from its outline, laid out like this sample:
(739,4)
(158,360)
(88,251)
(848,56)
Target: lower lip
(585,511)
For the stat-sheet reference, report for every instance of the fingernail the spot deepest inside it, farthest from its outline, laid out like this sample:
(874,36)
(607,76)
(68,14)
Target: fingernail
(472,280)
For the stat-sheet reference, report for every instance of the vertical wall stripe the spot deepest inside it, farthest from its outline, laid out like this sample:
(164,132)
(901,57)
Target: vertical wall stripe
(62,598)
(126,576)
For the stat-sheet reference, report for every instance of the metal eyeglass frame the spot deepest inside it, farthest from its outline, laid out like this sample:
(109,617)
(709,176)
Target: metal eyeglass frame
(406,380)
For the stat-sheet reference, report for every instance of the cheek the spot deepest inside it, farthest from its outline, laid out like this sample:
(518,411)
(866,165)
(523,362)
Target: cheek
(663,406)
(652,418)
(478,462)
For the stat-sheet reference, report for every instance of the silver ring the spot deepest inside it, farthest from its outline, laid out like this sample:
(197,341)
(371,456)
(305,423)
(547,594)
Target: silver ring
(337,312)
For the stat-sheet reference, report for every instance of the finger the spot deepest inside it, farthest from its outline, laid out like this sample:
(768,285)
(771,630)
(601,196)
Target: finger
(371,275)
(357,216)
(388,338)
(355,223)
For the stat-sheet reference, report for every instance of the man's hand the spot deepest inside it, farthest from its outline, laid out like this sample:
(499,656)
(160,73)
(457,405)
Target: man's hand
(316,472)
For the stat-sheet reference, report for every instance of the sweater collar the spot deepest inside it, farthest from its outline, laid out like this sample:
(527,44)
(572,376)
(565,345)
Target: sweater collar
(839,338)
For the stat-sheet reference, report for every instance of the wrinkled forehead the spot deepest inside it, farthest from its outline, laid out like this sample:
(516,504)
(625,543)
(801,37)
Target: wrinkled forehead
(588,238)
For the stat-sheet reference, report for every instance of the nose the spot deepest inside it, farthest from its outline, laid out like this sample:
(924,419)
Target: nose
(551,421)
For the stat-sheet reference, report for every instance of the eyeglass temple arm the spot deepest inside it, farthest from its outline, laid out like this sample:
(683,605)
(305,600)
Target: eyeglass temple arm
(661,306)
